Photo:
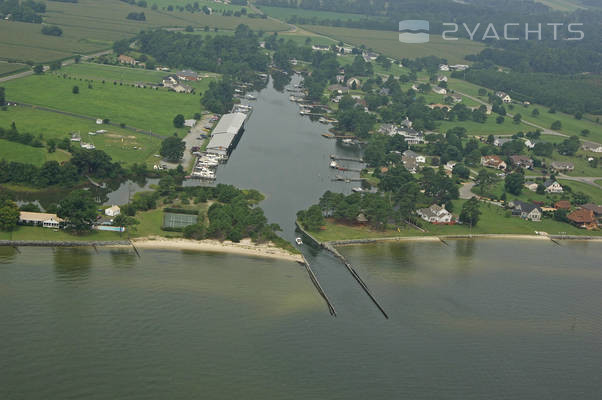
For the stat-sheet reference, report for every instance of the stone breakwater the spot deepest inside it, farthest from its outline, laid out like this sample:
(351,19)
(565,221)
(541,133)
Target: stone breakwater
(49,243)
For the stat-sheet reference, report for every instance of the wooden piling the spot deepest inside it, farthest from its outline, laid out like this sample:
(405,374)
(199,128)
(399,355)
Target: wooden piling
(135,249)
(318,287)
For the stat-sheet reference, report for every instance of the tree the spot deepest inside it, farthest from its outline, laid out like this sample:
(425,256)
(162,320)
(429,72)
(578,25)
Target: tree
(311,219)
(535,112)
(9,215)
(470,212)
(78,209)
(514,183)
(569,146)
(461,171)
(485,179)
(556,125)
(38,69)
(499,119)
(172,148)
(2,97)
(517,118)
(178,121)
(52,30)
(126,221)
(75,89)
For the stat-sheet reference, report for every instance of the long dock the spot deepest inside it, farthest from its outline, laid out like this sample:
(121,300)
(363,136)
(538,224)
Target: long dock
(314,280)
(356,277)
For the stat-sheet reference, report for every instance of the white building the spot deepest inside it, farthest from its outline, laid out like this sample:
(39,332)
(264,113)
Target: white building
(113,211)
(435,214)
(44,219)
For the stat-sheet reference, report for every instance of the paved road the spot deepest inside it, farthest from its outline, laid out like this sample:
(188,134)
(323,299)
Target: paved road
(191,140)
(466,190)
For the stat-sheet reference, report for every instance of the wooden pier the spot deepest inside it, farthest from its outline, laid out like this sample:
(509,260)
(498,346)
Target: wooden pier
(337,158)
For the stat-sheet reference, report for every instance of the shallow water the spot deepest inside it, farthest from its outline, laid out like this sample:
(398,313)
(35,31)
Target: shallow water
(468,321)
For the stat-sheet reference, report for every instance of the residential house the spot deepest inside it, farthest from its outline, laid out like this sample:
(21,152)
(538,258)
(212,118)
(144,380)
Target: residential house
(456,98)
(593,147)
(562,205)
(532,186)
(439,90)
(113,211)
(123,59)
(493,161)
(504,96)
(320,47)
(370,56)
(190,123)
(458,67)
(361,219)
(413,155)
(527,211)
(597,210)
(499,142)
(406,123)
(181,88)
(552,186)
(521,161)
(384,92)
(187,75)
(435,214)
(442,78)
(411,136)
(583,218)
(45,220)
(443,67)
(340,78)
(388,129)
(529,144)
(562,166)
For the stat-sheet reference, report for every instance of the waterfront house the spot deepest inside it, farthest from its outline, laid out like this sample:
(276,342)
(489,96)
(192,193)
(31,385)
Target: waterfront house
(45,220)
(521,161)
(113,211)
(439,90)
(552,186)
(583,218)
(562,166)
(528,211)
(435,214)
(493,161)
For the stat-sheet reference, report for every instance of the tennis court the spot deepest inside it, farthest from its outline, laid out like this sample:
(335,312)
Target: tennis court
(173,220)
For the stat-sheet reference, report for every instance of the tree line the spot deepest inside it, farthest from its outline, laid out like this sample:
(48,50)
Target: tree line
(23,11)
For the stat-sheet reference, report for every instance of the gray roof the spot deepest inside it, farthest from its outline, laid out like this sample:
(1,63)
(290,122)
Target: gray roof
(525,207)
(230,123)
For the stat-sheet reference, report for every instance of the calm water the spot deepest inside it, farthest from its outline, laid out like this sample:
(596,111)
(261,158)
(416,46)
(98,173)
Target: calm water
(468,321)
(472,320)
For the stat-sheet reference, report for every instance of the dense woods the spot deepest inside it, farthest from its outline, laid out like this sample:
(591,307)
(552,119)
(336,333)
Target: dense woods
(23,11)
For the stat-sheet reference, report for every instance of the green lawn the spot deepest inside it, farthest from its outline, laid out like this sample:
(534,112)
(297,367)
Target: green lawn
(122,145)
(570,125)
(493,220)
(388,43)
(99,72)
(145,109)
(590,190)
(487,128)
(582,167)
(39,233)
(11,151)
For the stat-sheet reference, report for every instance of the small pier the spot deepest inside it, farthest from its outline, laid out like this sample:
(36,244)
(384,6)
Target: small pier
(337,158)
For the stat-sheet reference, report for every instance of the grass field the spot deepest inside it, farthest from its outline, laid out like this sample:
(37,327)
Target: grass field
(490,127)
(38,233)
(99,72)
(123,146)
(493,220)
(211,4)
(145,109)
(570,125)
(18,152)
(284,13)
(387,43)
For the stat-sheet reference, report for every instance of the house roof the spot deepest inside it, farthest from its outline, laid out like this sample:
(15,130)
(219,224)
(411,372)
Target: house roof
(549,183)
(410,153)
(582,216)
(113,208)
(562,164)
(526,207)
(593,207)
(564,204)
(38,217)
(361,218)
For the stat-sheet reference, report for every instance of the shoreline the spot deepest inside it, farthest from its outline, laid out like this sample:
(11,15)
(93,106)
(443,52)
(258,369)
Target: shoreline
(245,248)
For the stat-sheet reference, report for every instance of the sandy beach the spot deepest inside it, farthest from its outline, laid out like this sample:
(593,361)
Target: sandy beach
(245,248)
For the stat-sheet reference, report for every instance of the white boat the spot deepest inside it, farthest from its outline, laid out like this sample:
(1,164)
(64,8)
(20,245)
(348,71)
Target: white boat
(251,97)
(347,141)
(299,241)
(357,189)
(333,164)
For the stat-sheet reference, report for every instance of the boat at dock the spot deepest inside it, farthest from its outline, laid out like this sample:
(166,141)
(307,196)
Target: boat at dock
(299,241)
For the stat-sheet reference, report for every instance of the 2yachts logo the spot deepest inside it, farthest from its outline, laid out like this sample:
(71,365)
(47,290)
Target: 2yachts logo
(417,31)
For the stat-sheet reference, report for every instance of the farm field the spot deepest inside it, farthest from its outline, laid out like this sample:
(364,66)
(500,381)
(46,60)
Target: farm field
(147,109)
(8,68)
(11,151)
(99,72)
(284,13)
(123,146)
(387,43)
(90,26)
(570,125)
